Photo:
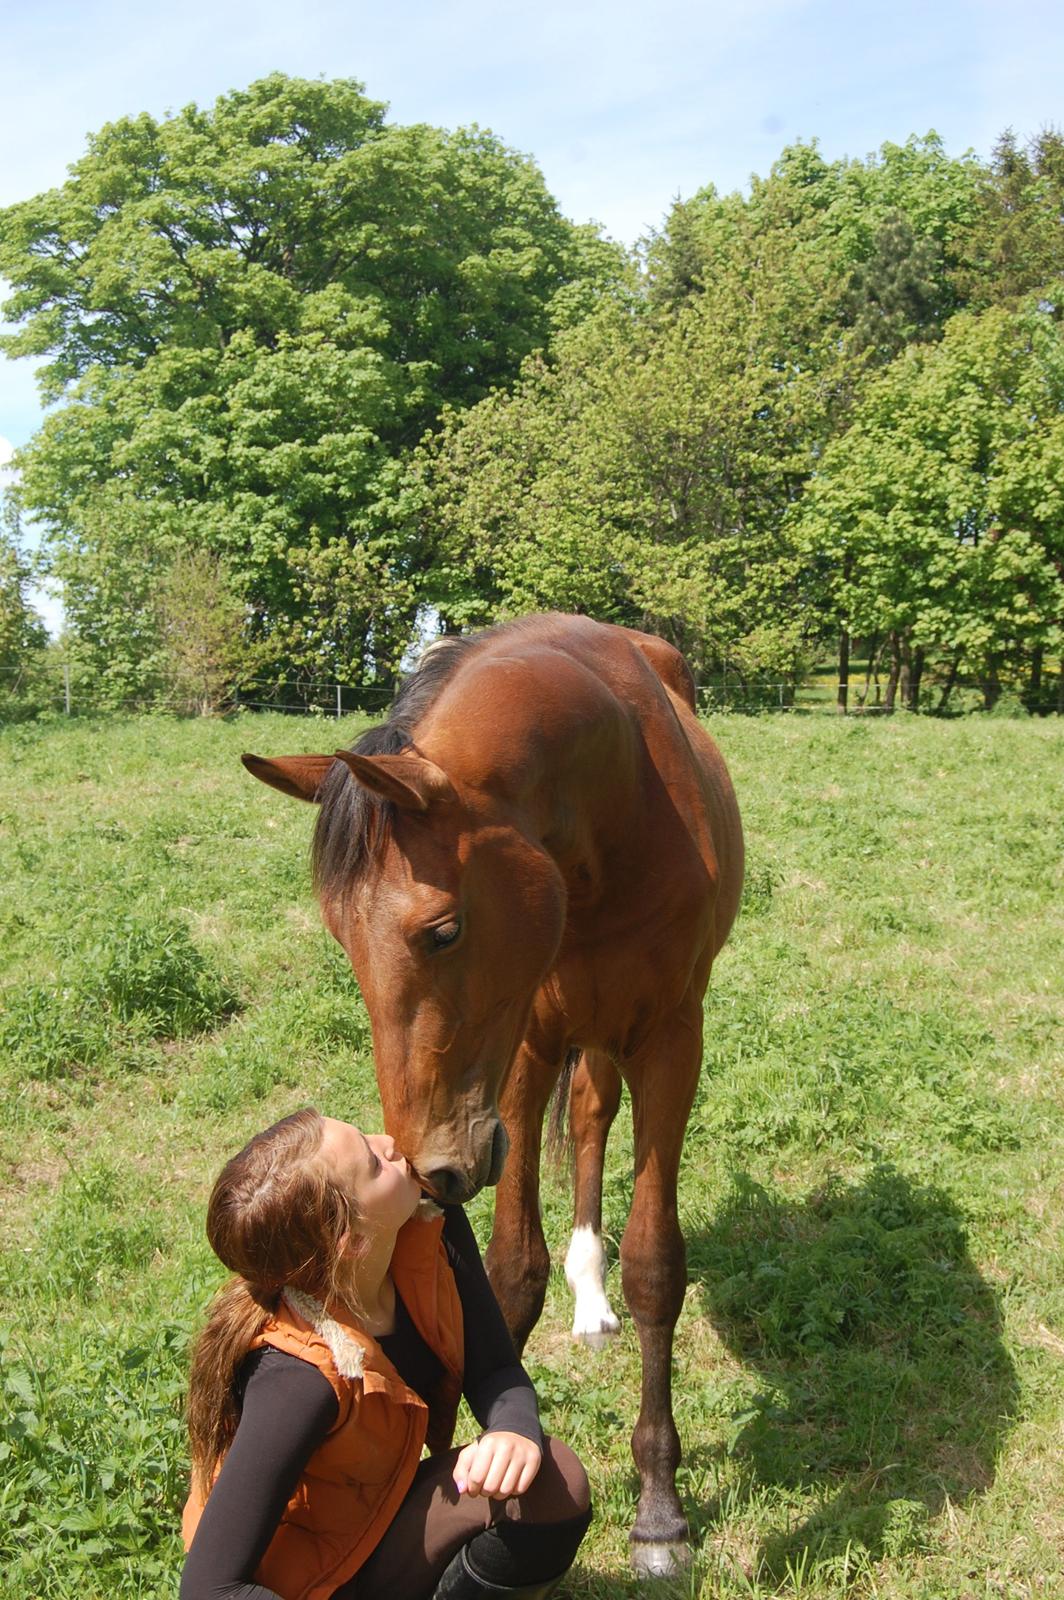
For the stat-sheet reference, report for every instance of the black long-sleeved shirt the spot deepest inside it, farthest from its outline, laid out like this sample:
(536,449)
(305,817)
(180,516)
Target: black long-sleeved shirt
(288,1406)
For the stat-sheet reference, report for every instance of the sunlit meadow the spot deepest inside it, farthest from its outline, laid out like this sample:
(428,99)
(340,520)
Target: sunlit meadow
(870,1364)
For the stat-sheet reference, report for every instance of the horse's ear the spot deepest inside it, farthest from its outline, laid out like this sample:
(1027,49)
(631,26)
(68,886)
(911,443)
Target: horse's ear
(406,780)
(298,776)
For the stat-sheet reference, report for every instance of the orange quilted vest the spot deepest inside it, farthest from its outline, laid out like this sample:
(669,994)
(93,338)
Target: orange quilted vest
(355,1481)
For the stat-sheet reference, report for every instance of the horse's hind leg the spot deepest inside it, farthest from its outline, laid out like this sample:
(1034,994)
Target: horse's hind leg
(593,1100)
(662,1079)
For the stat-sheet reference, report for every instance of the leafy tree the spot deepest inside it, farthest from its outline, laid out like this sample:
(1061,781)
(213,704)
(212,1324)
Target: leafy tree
(938,518)
(200,622)
(645,473)
(883,234)
(1015,241)
(111,575)
(880,237)
(252,313)
(894,295)
(23,636)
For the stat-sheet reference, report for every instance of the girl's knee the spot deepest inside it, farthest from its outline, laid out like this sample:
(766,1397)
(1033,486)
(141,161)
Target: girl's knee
(567,1466)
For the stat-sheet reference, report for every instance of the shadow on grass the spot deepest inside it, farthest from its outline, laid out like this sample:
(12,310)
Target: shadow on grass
(885,1389)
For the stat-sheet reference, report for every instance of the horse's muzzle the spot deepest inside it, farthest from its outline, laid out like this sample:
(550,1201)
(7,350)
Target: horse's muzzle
(453,1188)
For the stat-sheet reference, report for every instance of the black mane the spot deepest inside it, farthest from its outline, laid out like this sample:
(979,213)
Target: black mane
(352,821)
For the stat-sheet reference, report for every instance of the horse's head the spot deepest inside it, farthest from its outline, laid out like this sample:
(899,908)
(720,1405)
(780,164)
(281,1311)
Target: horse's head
(451,916)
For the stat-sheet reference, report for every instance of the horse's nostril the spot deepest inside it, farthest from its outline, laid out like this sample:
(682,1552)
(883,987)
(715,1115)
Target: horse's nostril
(500,1149)
(449,1187)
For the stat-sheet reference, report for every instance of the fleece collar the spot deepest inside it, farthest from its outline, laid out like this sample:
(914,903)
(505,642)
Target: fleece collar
(348,1354)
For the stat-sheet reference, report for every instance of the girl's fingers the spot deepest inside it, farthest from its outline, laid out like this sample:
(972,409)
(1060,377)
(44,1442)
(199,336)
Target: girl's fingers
(479,1467)
(461,1468)
(497,1466)
(493,1478)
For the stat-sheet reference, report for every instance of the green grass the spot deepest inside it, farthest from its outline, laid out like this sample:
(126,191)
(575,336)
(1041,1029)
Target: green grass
(870,1363)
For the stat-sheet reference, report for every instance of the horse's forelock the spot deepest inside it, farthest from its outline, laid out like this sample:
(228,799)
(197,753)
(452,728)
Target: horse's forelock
(353,822)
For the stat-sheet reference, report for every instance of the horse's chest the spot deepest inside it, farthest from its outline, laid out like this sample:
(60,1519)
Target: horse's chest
(609,989)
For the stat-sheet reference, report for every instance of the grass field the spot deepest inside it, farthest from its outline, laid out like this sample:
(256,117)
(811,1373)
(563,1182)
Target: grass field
(870,1364)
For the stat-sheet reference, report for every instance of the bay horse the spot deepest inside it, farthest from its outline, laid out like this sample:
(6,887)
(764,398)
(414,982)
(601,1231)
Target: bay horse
(535,860)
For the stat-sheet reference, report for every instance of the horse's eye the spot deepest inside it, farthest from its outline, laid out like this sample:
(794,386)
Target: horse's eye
(445,933)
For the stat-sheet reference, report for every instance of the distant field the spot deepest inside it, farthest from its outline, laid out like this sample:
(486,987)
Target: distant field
(870,1365)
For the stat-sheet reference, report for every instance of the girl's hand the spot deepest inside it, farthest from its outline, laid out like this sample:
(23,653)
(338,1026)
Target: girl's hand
(498,1465)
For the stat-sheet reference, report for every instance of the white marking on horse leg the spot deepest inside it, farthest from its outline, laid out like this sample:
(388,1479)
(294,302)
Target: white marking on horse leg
(594,1323)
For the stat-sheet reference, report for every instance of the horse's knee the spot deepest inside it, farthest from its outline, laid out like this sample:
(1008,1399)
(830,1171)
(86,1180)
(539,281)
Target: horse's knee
(519,1281)
(654,1273)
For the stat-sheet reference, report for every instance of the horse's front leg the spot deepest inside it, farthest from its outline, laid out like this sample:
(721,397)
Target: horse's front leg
(662,1078)
(517,1258)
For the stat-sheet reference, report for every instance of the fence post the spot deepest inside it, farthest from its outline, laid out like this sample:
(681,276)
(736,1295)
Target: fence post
(66,686)
(339,708)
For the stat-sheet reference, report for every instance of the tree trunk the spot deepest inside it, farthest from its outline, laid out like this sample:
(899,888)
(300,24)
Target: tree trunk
(991,687)
(843,686)
(951,679)
(916,672)
(895,673)
(912,666)
(872,648)
(843,689)
(1033,697)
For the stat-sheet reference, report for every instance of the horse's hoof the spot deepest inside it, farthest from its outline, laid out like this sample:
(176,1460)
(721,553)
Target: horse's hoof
(660,1558)
(596,1334)
(596,1341)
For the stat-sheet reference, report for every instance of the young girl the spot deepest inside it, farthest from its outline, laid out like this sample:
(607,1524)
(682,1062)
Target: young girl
(359,1314)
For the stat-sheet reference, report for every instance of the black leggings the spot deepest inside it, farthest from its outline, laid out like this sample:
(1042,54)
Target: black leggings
(526,1539)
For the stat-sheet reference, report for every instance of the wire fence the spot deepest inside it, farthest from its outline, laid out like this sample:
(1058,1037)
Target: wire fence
(310,696)
(63,687)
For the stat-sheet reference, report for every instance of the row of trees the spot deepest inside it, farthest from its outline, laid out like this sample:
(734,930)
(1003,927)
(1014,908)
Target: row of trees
(318,377)
(836,413)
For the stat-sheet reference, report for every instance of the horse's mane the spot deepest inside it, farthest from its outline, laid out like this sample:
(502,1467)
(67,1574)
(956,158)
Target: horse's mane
(352,821)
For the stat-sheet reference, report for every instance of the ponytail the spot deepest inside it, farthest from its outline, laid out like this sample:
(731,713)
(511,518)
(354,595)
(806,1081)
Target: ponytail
(275,1217)
(236,1317)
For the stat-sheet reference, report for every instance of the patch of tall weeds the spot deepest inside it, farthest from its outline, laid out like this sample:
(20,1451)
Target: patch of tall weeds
(136,982)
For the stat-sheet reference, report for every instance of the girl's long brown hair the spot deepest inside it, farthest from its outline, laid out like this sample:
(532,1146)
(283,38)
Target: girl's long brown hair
(274,1218)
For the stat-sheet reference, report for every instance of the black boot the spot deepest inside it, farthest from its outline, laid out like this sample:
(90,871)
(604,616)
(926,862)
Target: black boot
(460,1582)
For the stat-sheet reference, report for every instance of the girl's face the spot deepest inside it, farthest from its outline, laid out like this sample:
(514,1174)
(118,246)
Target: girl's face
(369,1169)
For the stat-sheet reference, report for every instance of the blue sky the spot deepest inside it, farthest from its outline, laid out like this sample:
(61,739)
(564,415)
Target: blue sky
(624,105)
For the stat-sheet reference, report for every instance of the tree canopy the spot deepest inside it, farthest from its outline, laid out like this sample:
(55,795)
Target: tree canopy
(321,376)
(799,433)
(250,313)
(938,517)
